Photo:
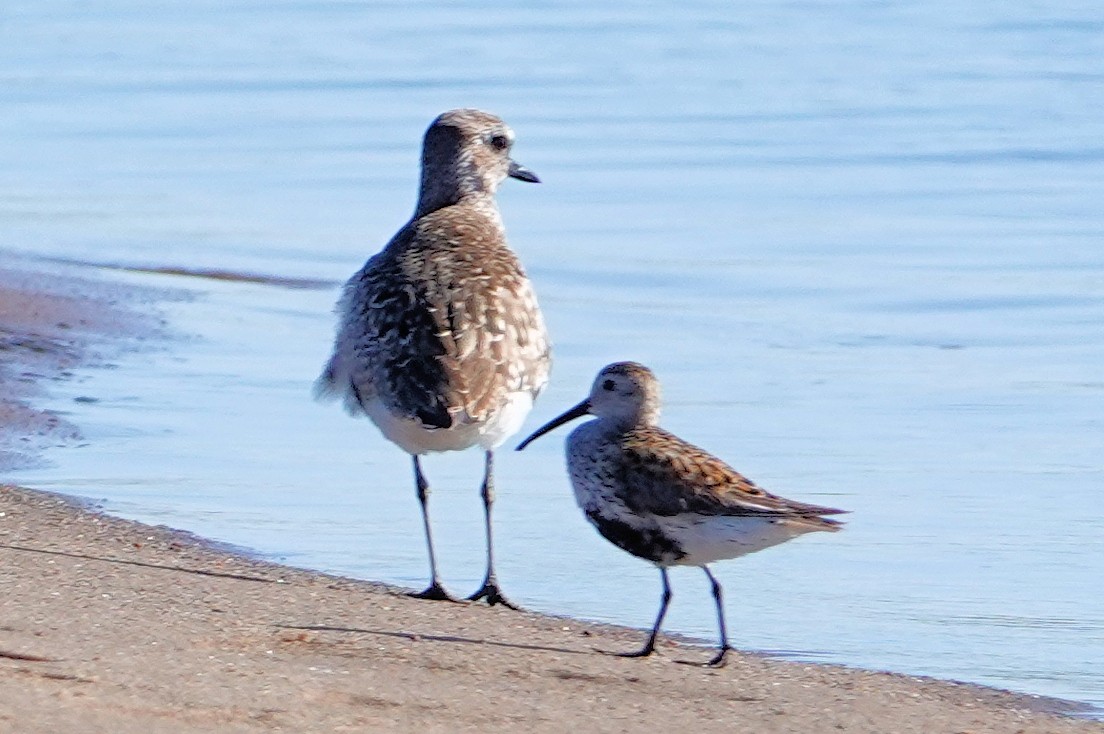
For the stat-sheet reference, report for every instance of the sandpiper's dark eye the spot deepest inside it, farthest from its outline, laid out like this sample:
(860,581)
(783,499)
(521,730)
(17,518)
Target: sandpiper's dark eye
(607,385)
(500,142)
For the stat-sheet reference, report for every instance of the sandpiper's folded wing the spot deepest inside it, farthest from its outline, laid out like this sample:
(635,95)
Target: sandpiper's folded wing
(664,475)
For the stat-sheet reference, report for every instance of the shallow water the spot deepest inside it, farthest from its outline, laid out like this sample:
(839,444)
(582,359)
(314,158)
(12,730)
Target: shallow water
(859,243)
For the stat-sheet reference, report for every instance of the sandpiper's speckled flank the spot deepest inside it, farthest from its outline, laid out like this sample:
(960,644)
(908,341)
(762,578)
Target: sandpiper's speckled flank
(662,499)
(440,340)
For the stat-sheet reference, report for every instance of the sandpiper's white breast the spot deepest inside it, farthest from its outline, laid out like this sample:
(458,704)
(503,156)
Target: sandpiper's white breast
(590,465)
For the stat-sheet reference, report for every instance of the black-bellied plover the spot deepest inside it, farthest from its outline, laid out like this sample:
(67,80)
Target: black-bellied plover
(662,499)
(440,340)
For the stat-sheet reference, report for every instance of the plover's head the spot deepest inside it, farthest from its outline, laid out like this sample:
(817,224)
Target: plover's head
(466,152)
(625,394)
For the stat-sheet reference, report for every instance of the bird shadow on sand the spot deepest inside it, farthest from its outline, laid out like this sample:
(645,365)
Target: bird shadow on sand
(142,564)
(421,637)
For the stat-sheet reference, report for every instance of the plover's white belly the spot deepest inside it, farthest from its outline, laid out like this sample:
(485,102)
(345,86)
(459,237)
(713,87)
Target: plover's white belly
(413,437)
(707,538)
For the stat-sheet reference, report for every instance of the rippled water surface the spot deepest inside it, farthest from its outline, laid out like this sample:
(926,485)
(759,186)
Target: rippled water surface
(860,243)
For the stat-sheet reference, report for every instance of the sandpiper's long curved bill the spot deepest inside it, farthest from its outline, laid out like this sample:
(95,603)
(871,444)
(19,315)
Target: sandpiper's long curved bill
(578,411)
(521,173)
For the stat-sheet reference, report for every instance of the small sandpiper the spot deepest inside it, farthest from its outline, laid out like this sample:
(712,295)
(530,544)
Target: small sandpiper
(440,340)
(664,500)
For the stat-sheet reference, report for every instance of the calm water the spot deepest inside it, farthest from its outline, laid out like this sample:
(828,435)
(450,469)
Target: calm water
(860,243)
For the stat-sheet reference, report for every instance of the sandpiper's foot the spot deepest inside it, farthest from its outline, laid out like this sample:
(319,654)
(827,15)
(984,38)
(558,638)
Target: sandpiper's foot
(435,592)
(493,595)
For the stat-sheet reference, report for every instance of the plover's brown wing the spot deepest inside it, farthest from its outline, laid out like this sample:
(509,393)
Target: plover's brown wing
(485,313)
(663,475)
(388,347)
(443,325)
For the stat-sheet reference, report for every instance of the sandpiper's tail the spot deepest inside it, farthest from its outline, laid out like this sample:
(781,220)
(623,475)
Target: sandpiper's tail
(813,515)
(810,523)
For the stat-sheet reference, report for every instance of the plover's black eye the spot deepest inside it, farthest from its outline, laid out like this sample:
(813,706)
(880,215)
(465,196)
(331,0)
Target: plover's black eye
(607,385)
(499,142)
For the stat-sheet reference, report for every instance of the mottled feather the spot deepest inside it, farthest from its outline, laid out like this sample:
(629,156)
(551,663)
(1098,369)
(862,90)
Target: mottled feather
(663,475)
(441,324)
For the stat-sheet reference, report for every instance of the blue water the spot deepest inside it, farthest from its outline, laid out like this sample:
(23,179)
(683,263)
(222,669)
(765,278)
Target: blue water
(860,244)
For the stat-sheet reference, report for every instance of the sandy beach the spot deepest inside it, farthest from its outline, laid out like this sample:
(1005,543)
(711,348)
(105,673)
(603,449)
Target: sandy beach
(112,626)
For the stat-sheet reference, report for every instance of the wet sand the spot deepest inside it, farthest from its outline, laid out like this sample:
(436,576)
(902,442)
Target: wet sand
(55,318)
(114,626)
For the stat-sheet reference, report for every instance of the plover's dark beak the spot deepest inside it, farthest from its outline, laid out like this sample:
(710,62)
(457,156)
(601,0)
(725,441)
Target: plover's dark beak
(521,173)
(578,411)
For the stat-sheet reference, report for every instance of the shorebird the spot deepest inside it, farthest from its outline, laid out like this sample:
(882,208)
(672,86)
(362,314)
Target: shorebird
(664,500)
(440,341)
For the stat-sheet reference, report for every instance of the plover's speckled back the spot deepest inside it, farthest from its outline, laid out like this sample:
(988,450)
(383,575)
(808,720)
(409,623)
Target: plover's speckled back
(440,341)
(662,499)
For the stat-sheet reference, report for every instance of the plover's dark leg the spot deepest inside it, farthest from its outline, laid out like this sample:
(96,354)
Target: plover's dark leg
(719,659)
(490,590)
(649,646)
(435,590)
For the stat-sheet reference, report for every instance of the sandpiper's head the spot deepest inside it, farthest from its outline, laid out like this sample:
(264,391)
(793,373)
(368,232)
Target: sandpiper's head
(466,152)
(625,394)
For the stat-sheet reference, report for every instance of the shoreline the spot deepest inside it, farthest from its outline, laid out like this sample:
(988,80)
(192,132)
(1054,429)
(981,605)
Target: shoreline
(54,319)
(112,625)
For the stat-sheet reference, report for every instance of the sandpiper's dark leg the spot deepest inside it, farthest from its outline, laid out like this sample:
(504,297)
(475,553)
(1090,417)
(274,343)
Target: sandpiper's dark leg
(719,659)
(649,646)
(490,590)
(435,590)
